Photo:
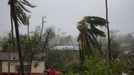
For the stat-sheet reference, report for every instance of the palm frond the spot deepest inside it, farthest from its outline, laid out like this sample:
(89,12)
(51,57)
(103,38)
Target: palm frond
(21,11)
(89,45)
(97,32)
(93,41)
(96,21)
(23,7)
(89,32)
(25,2)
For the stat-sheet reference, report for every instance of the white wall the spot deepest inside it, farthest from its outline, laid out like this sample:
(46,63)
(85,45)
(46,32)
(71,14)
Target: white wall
(38,69)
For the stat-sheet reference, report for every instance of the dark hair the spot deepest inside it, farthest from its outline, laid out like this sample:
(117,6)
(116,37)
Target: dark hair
(47,67)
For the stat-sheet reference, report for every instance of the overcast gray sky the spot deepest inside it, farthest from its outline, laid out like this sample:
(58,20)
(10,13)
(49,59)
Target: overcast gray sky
(65,14)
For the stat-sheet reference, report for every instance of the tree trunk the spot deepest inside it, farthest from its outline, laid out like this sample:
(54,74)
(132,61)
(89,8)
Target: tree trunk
(12,29)
(29,64)
(17,36)
(42,28)
(28,32)
(12,33)
(82,57)
(108,32)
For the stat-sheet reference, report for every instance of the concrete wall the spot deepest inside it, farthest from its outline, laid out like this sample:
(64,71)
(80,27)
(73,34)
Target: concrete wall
(38,69)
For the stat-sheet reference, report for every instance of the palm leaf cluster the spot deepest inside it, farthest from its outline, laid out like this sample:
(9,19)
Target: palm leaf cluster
(89,33)
(20,10)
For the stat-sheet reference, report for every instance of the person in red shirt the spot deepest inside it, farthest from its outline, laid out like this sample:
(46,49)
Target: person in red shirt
(56,72)
(53,71)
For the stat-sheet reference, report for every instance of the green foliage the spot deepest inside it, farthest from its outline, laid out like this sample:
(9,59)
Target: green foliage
(96,65)
(55,58)
(71,68)
(6,43)
(60,59)
(118,66)
(115,46)
(71,73)
(95,20)
(29,44)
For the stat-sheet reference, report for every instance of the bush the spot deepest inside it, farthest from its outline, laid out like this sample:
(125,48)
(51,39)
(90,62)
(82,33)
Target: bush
(96,65)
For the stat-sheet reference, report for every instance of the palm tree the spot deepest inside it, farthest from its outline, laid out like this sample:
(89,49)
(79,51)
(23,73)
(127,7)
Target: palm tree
(18,16)
(108,32)
(12,33)
(88,35)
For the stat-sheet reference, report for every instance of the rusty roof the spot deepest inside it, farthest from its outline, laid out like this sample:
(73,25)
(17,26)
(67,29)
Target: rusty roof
(9,56)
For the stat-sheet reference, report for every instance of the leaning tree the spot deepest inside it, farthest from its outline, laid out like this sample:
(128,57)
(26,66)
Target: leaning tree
(88,35)
(18,16)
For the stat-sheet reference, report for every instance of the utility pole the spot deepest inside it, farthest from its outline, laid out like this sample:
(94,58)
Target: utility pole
(108,31)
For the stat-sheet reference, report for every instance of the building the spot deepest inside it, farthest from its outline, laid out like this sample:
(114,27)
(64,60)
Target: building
(65,48)
(9,63)
(67,52)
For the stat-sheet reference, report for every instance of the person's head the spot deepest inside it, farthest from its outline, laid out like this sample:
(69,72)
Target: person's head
(47,67)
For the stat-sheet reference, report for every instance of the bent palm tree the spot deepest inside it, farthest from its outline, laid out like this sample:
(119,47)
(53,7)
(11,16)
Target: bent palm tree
(18,16)
(88,35)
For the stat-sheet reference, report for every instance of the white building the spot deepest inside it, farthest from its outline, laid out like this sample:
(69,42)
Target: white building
(9,63)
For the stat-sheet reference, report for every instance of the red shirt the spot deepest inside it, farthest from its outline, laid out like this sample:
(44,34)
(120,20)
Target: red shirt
(51,71)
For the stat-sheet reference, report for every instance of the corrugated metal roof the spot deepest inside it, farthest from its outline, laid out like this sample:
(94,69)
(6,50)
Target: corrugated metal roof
(15,56)
(66,48)
(9,56)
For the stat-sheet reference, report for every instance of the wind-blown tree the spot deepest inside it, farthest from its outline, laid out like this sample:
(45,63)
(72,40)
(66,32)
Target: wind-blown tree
(88,35)
(18,16)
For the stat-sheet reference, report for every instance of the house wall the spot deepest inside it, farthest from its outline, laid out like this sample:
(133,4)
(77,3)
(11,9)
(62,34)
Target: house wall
(38,69)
